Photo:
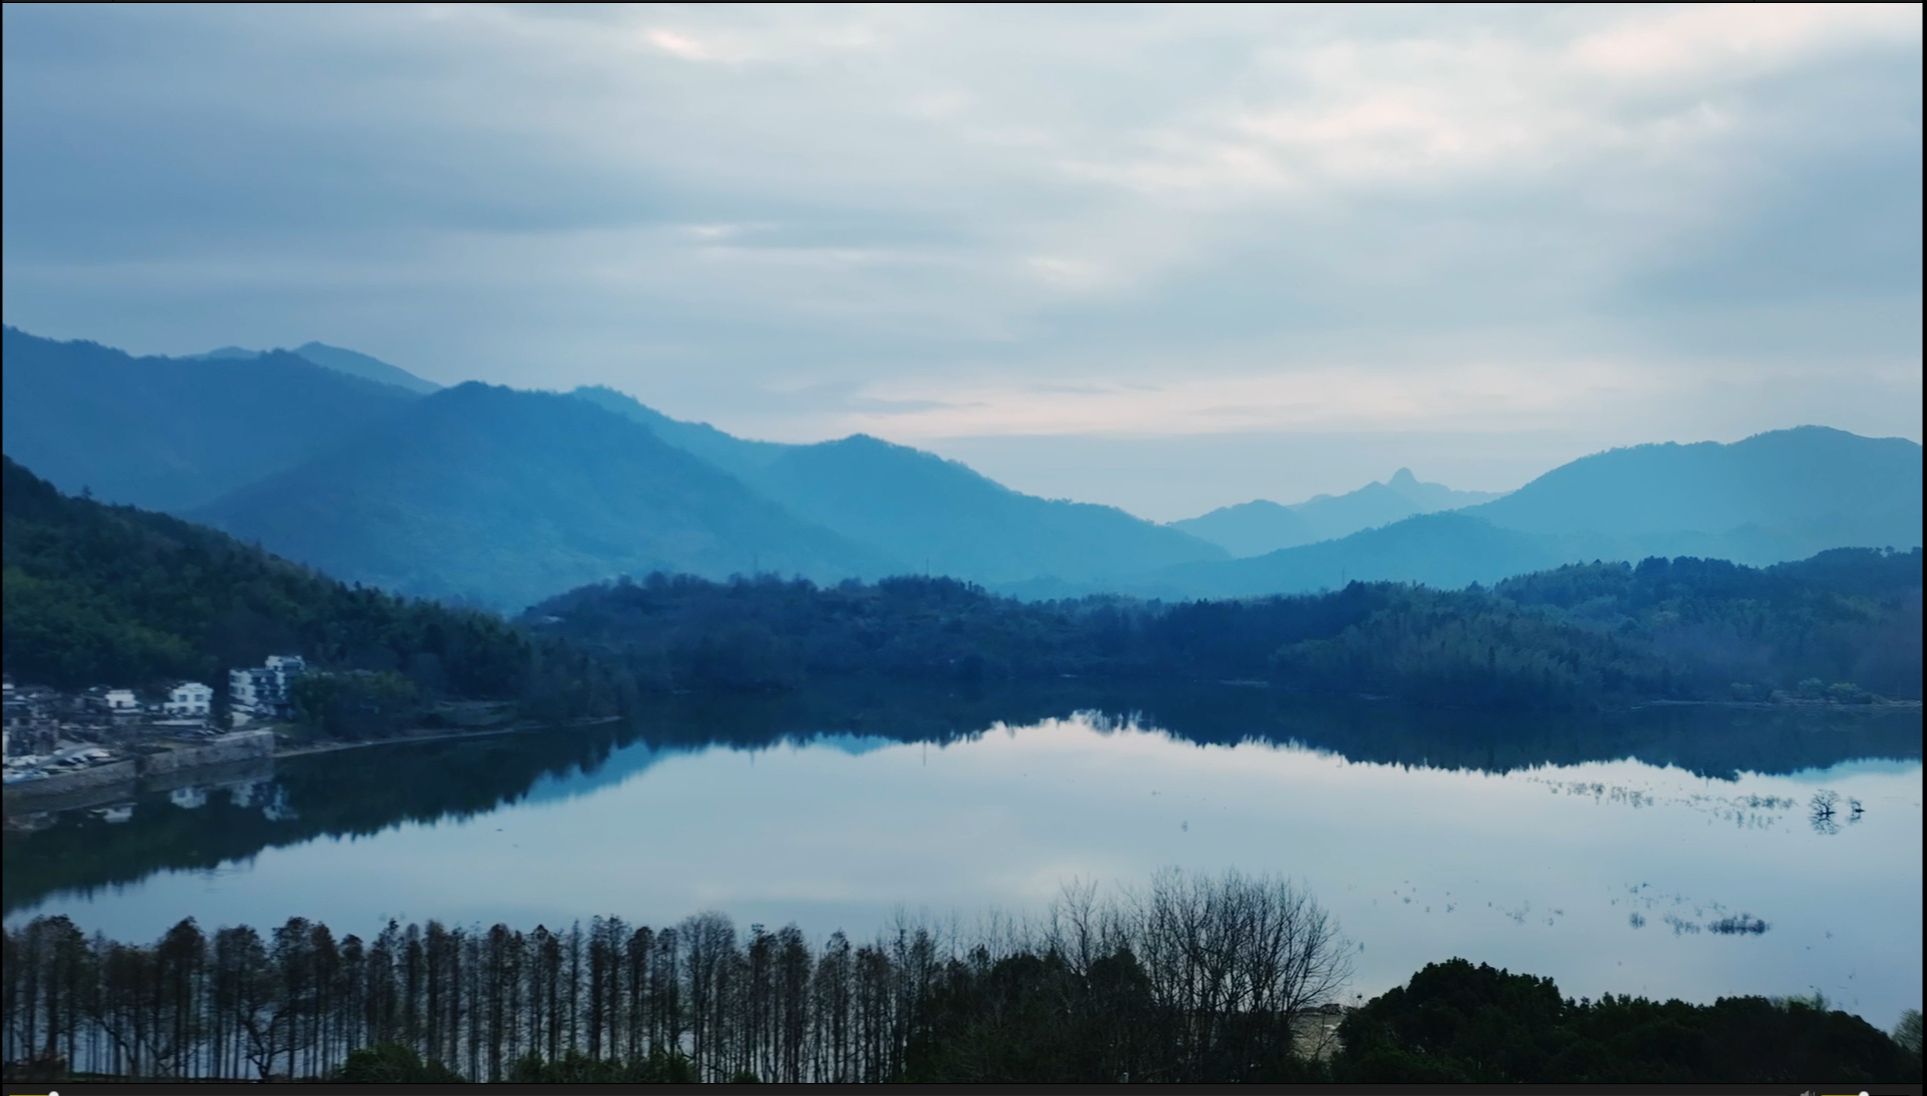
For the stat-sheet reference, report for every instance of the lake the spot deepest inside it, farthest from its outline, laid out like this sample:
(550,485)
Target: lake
(1604,851)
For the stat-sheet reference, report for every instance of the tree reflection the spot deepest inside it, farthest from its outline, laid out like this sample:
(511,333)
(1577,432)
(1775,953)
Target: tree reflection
(361,792)
(1821,809)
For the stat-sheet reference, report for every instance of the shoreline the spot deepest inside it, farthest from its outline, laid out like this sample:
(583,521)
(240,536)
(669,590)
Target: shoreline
(119,786)
(1882,705)
(333,746)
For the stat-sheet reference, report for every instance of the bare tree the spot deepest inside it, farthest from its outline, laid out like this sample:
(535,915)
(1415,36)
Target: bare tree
(1258,949)
(1194,977)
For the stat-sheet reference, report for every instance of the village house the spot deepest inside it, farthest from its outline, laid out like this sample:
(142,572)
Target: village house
(30,723)
(262,692)
(114,701)
(190,699)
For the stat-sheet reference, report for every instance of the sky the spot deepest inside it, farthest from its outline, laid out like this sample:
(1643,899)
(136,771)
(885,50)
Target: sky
(1165,258)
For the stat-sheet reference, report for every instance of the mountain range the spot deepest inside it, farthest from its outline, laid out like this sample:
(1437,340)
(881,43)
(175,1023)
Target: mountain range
(352,362)
(499,497)
(1260,526)
(172,433)
(503,497)
(1782,495)
(931,515)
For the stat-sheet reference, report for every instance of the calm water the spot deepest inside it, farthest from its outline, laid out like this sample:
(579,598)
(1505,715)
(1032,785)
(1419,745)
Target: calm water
(1597,852)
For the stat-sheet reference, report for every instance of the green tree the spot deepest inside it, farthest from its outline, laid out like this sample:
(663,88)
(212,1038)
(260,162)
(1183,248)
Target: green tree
(393,1063)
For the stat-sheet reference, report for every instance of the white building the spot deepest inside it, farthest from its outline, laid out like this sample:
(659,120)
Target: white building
(111,701)
(241,693)
(262,692)
(189,698)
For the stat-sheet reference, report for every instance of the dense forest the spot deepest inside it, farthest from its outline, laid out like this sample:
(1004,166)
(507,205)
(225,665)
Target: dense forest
(1845,625)
(112,594)
(1191,978)
(1455,1022)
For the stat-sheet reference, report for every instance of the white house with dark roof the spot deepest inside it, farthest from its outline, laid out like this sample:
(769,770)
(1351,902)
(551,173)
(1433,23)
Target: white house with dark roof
(189,698)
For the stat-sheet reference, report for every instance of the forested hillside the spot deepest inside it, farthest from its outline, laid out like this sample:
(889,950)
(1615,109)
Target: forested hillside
(97,593)
(1839,626)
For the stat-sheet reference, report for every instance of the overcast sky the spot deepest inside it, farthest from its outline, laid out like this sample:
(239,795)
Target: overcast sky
(1165,258)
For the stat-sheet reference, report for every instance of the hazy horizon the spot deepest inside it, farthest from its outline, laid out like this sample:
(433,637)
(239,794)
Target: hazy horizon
(1293,252)
(1165,486)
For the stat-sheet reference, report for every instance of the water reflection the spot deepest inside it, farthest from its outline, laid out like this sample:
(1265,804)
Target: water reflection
(363,792)
(1546,844)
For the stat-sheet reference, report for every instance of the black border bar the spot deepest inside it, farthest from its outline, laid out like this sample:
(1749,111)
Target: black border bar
(314,1088)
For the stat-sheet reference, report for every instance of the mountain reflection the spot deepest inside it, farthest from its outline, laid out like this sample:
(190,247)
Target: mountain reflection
(361,792)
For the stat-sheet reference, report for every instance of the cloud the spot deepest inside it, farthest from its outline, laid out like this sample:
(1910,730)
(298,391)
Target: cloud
(683,46)
(1491,397)
(1227,219)
(1699,40)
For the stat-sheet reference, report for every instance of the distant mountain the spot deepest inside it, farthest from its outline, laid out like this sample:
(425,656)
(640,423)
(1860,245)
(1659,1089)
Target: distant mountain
(1254,528)
(357,364)
(946,519)
(1378,504)
(1251,528)
(1778,496)
(1763,496)
(507,497)
(172,433)
(932,514)
(740,457)
(1435,495)
(352,362)
(226,354)
(1444,550)
(504,497)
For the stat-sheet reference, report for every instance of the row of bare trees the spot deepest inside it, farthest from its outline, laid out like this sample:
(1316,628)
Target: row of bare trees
(1187,977)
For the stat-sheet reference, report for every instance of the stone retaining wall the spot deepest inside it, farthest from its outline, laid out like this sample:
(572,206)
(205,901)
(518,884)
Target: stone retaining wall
(239,746)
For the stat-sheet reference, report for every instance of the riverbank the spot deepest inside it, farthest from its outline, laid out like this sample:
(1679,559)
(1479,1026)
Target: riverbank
(253,751)
(306,748)
(1881,704)
(142,764)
